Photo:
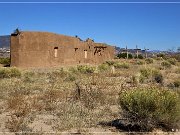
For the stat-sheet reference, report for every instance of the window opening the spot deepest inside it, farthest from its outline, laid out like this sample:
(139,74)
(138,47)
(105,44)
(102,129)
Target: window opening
(55,52)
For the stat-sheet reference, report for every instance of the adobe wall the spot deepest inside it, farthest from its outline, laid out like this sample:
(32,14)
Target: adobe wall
(37,49)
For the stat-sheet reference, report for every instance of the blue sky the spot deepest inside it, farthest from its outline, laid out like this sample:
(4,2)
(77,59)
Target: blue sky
(154,26)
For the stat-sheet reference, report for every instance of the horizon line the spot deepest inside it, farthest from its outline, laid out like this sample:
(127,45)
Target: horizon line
(78,2)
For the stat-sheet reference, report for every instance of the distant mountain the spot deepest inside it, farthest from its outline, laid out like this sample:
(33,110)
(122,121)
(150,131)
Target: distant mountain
(5,41)
(154,51)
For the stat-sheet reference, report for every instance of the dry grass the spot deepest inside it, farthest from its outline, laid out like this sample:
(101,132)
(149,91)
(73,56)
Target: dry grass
(75,100)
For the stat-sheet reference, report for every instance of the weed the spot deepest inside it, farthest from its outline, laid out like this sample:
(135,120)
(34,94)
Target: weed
(139,62)
(173,61)
(70,77)
(149,60)
(5,61)
(85,69)
(9,72)
(121,65)
(166,64)
(110,63)
(157,76)
(151,75)
(176,83)
(103,67)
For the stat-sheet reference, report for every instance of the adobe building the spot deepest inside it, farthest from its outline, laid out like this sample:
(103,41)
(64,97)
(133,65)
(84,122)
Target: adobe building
(44,49)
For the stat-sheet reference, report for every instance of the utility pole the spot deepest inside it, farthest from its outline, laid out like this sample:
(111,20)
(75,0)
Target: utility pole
(137,51)
(127,52)
(145,51)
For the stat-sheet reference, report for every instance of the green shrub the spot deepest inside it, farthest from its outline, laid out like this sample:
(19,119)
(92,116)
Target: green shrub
(144,75)
(121,65)
(146,72)
(85,69)
(139,62)
(124,55)
(151,108)
(70,78)
(149,60)
(157,76)
(110,63)
(161,55)
(173,61)
(28,76)
(103,67)
(151,75)
(73,70)
(9,72)
(166,64)
(5,61)
(139,57)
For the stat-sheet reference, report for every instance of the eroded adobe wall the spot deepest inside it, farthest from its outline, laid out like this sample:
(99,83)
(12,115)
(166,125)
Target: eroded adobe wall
(38,49)
(14,47)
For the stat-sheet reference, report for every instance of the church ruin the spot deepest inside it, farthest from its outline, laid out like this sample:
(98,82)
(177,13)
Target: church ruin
(44,49)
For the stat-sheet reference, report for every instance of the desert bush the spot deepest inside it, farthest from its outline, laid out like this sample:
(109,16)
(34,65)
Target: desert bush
(85,69)
(151,75)
(9,72)
(124,55)
(146,72)
(50,98)
(139,62)
(70,78)
(59,73)
(139,57)
(121,65)
(176,83)
(28,76)
(158,58)
(157,76)
(173,61)
(17,124)
(149,60)
(110,63)
(177,70)
(176,56)
(103,67)
(116,57)
(19,109)
(5,61)
(73,70)
(151,108)
(166,64)
(55,75)
(90,97)
(134,80)
(160,55)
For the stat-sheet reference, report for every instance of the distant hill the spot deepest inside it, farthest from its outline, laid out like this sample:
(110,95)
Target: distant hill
(5,41)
